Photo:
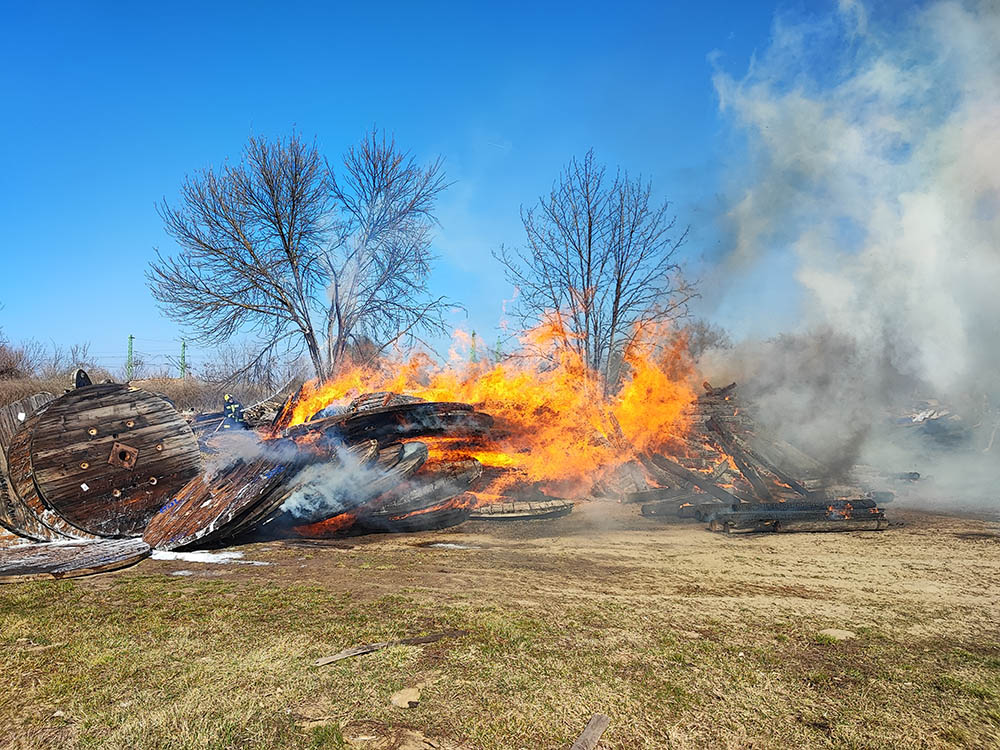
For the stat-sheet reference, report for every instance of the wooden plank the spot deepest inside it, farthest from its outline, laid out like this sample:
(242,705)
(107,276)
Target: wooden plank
(69,559)
(522,510)
(107,457)
(592,733)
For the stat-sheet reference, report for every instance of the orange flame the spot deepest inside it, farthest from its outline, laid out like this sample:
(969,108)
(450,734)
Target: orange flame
(555,426)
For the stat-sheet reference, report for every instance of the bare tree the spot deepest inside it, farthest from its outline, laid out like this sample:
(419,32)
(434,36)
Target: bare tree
(601,256)
(265,241)
(381,259)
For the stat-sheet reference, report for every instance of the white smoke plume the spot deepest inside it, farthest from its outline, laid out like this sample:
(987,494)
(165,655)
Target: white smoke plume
(873,160)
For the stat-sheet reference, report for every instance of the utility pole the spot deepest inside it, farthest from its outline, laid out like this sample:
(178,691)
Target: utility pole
(128,361)
(473,357)
(183,360)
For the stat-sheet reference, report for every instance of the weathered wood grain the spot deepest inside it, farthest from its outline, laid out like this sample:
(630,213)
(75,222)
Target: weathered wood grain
(522,510)
(214,506)
(12,417)
(69,559)
(107,457)
(50,526)
(10,539)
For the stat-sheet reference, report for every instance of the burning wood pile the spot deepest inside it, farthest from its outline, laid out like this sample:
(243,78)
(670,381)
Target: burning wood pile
(738,481)
(99,476)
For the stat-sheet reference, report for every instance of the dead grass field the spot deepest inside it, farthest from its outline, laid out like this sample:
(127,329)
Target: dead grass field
(686,639)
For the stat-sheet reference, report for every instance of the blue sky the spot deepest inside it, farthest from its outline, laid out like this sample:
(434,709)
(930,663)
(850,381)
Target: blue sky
(107,106)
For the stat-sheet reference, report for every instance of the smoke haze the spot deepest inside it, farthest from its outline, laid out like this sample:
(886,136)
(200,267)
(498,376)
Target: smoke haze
(873,160)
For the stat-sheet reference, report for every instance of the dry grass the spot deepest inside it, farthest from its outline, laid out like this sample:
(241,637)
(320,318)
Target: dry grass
(685,638)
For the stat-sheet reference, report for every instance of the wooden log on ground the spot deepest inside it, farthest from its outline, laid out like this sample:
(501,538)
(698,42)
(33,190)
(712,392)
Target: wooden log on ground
(656,495)
(672,507)
(592,733)
(862,524)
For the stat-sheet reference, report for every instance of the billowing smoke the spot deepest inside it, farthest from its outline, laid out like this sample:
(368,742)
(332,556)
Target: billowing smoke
(325,491)
(873,165)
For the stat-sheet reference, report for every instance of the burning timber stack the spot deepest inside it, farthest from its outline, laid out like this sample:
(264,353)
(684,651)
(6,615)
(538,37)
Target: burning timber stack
(738,481)
(96,478)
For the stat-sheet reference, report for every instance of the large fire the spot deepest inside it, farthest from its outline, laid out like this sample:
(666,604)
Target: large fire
(558,427)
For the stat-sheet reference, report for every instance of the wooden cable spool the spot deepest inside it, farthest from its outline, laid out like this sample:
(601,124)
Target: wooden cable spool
(106,457)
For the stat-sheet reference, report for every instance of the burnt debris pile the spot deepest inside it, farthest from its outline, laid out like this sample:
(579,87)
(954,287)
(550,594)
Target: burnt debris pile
(96,478)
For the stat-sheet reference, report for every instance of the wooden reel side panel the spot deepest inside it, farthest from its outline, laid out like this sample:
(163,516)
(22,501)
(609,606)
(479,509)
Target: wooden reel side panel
(13,515)
(41,522)
(38,561)
(107,457)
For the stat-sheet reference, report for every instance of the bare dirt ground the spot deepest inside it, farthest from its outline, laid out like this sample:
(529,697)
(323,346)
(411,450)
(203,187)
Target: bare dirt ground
(685,638)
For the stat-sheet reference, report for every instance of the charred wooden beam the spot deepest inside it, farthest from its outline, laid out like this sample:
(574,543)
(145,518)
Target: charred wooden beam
(759,458)
(655,495)
(703,483)
(740,458)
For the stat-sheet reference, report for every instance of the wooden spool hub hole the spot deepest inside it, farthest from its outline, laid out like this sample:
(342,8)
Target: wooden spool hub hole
(123,455)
